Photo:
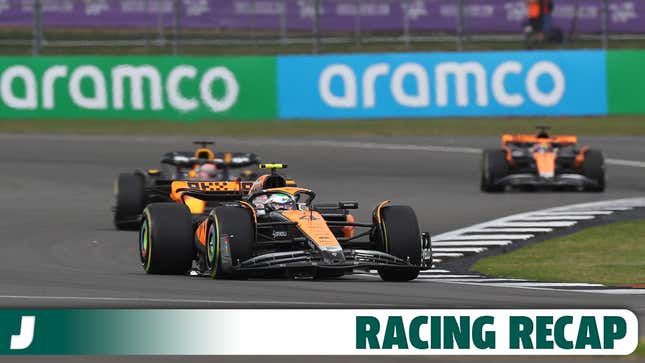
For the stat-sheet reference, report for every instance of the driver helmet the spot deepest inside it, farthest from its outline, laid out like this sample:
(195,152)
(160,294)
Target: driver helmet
(541,147)
(280,201)
(207,171)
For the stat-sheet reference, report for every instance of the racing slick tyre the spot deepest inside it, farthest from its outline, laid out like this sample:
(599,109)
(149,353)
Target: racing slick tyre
(494,167)
(400,237)
(166,239)
(593,167)
(230,240)
(130,201)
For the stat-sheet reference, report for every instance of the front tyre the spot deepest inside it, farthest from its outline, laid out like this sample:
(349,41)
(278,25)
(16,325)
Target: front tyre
(593,167)
(130,201)
(400,237)
(494,167)
(230,240)
(166,239)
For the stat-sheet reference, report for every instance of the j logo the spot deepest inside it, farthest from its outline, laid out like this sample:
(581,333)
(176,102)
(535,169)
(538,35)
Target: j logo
(26,336)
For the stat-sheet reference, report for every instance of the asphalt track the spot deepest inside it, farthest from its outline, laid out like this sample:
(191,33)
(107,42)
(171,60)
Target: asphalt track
(59,249)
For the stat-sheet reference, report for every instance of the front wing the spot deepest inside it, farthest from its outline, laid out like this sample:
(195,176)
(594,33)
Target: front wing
(558,181)
(308,262)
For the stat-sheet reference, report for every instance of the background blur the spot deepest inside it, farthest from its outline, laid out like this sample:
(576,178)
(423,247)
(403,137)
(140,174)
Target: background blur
(287,26)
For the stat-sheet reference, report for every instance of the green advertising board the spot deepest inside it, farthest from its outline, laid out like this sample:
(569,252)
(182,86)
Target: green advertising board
(626,81)
(207,88)
(169,88)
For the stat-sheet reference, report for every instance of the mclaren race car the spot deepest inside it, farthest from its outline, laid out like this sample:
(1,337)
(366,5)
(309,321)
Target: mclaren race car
(272,228)
(133,191)
(542,161)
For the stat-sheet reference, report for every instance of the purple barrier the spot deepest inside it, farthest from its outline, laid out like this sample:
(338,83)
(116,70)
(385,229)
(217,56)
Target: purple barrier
(505,16)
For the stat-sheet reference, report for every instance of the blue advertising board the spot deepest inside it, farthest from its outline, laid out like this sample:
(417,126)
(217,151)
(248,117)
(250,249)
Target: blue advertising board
(442,84)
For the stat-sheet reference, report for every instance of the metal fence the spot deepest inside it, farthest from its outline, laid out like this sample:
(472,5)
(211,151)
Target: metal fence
(176,25)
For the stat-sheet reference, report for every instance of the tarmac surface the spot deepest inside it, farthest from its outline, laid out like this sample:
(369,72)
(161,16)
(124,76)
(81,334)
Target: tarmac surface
(59,248)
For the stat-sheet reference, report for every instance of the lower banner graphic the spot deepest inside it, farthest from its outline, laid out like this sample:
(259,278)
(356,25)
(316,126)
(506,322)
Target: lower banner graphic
(318,332)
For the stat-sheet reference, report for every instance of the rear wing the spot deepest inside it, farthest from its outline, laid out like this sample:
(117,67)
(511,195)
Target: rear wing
(213,190)
(235,160)
(222,160)
(532,139)
(208,190)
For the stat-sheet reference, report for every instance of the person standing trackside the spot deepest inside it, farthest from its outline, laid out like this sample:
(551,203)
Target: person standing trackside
(547,15)
(535,15)
(540,23)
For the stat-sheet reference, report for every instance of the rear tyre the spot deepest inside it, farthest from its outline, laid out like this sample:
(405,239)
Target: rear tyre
(400,237)
(166,239)
(230,240)
(494,167)
(130,201)
(593,167)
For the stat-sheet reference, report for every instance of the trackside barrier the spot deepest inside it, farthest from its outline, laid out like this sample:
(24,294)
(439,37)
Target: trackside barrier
(393,85)
(443,84)
(626,81)
(130,88)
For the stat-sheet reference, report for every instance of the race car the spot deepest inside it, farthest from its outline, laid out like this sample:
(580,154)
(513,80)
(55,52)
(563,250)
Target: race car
(272,228)
(133,191)
(542,161)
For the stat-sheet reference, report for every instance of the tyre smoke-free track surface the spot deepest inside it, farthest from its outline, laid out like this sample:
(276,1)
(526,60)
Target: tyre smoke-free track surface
(60,249)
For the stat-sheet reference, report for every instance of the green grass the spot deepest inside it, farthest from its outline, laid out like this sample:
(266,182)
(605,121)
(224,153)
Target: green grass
(273,49)
(615,125)
(640,350)
(612,255)
(150,41)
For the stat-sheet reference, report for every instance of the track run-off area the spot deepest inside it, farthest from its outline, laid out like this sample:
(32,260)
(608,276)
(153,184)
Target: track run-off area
(60,249)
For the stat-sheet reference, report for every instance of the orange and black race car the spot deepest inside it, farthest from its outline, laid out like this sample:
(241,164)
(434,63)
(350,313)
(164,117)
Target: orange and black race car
(133,191)
(271,227)
(542,161)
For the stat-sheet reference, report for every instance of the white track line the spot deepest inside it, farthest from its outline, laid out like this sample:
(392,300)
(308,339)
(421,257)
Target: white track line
(433,271)
(484,237)
(434,148)
(593,212)
(362,145)
(404,147)
(548,284)
(486,280)
(174,301)
(620,208)
(569,217)
(621,162)
(478,282)
(470,243)
(510,230)
(447,277)
(459,249)
(616,291)
(279,142)
(533,224)
(543,221)
(448,255)
(394,147)
(511,221)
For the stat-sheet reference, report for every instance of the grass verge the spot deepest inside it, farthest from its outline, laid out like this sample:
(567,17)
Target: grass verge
(111,41)
(603,126)
(640,351)
(612,255)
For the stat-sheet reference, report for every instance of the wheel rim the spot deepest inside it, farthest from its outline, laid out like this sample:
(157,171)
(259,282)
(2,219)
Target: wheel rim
(144,241)
(211,248)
